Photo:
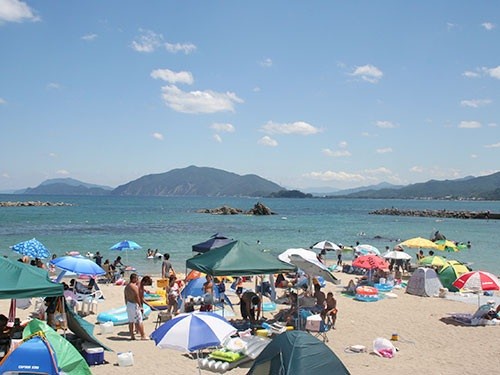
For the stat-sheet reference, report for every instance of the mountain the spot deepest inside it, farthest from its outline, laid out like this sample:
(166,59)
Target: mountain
(199,181)
(66,186)
(484,187)
(382,185)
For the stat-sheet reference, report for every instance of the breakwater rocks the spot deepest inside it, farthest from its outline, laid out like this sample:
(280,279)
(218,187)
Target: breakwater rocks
(258,209)
(438,213)
(34,204)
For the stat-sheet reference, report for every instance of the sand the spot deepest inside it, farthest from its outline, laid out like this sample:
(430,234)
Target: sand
(427,344)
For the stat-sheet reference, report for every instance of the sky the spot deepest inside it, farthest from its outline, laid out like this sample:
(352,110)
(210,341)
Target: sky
(308,94)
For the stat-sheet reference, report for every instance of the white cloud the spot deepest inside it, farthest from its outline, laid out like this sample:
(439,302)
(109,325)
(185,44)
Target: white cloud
(475,103)
(450,25)
(335,176)
(336,153)
(417,169)
(53,86)
(223,128)
(267,63)
(63,172)
(198,101)
(343,144)
(2,101)
(298,127)
(158,136)
(469,125)
(187,48)
(173,77)
(385,124)
(5,175)
(89,37)
(470,74)
(474,156)
(378,171)
(488,25)
(16,11)
(256,89)
(385,150)
(217,138)
(147,42)
(492,125)
(493,145)
(493,72)
(267,141)
(52,154)
(368,73)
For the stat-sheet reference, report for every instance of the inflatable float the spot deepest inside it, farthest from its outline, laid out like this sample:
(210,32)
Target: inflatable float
(366,294)
(119,315)
(383,287)
(160,304)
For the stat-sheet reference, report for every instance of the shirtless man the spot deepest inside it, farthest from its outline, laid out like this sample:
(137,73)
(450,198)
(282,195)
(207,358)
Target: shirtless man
(134,307)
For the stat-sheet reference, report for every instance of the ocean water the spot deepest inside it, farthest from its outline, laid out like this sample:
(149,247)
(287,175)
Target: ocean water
(171,224)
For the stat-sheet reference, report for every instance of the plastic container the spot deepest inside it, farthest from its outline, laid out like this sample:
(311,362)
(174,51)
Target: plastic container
(106,327)
(125,359)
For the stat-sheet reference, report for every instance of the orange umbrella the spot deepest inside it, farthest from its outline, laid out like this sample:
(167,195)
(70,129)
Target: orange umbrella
(370,262)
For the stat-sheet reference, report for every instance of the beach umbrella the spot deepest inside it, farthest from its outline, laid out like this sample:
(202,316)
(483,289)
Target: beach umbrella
(477,280)
(395,254)
(32,248)
(370,262)
(432,261)
(193,331)
(366,249)
(446,245)
(419,242)
(325,245)
(451,271)
(215,241)
(79,265)
(126,245)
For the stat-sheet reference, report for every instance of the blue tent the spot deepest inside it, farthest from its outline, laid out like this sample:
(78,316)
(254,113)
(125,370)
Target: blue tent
(194,288)
(34,356)
(214,242)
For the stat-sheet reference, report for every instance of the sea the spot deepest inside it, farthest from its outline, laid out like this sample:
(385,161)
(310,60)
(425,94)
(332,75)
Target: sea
(172,224)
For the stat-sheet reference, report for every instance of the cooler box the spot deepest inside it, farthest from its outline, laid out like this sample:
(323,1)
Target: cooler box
(313,323)
(94,355)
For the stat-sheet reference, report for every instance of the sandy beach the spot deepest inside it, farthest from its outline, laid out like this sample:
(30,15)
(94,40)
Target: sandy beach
(427,343)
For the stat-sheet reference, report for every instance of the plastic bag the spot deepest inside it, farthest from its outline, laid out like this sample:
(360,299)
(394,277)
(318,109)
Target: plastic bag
(383,348)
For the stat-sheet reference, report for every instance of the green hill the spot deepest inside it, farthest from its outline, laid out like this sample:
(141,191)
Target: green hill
(198,181)
(484,187)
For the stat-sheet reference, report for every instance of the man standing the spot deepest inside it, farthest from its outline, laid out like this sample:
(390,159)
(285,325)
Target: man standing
(134,307)
(166,267)
(98,259)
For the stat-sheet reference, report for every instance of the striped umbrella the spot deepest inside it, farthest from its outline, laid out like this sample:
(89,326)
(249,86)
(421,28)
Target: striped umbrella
(477,280)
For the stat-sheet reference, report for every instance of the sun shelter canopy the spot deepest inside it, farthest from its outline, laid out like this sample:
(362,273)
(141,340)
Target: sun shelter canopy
(238,259)
(20,280)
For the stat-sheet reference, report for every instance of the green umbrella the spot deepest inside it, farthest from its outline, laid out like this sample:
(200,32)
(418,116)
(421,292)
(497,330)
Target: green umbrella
(432,261)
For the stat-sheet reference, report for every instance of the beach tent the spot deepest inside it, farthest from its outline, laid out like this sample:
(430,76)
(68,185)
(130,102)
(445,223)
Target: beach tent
(238,259)
(297,352)
(20,280)
(69,359)
(424,282)
(215,241)
(450,272)
(33,356)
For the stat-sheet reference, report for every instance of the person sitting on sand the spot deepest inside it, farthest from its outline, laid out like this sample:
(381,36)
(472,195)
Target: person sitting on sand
(134,308)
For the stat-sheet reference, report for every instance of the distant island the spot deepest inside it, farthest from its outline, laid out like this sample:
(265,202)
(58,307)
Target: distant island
(34,204)
(212,182)
(258,209)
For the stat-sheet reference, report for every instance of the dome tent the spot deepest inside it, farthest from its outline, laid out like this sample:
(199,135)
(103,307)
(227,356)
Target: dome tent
(424,282)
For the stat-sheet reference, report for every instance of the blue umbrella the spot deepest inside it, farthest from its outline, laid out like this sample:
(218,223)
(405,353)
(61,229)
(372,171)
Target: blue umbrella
(126,245)
(32,248)
(193,331)
(79,265)
(194,288)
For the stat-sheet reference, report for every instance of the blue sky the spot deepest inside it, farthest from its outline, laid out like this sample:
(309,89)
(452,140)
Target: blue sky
(304,93)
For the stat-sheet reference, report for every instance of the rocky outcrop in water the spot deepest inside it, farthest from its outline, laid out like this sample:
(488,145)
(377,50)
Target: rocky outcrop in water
(258,209)
(438,213)
(34,204)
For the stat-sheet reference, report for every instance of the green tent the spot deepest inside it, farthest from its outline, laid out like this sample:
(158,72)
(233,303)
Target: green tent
(69,359)
(297,352)
(450,272)
(237,259)
(20,280)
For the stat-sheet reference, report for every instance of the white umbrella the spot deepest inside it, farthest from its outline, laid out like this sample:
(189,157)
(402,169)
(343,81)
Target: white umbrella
(366,249)
(307,261)
(394,254)
(325,245)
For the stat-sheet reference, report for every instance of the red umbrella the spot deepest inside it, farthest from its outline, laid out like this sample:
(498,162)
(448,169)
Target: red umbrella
(370,262)
(477,280)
